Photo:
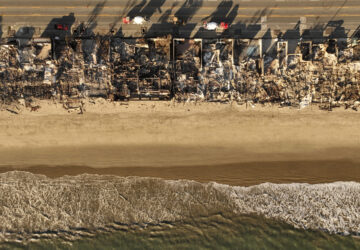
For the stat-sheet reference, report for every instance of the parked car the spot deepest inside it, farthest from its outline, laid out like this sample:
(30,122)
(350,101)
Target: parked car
(210,25)
(62,27)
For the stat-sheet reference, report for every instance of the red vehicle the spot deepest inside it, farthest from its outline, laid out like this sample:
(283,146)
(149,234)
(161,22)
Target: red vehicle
(62,27)
(224,25)
(126,20)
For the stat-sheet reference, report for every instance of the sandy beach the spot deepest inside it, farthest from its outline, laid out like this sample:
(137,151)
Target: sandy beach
(227,143)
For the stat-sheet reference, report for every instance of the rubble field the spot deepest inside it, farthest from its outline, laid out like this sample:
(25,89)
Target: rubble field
(293,73)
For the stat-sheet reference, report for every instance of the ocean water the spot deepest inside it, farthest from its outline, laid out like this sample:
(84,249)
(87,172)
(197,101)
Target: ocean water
(216,232)
(109,212)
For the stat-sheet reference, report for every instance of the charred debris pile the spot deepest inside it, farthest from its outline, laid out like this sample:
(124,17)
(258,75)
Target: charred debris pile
(290,73)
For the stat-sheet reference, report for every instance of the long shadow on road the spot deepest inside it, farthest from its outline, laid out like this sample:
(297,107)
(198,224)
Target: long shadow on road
(51,31)
(223,13)
(183,14)
(87,29)
(136,10)
(188,10)
(220,13)
(1,27)
(166,15)
(151,8)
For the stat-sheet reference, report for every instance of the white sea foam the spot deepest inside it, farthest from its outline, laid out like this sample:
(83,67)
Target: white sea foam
(333,207)
(36,205)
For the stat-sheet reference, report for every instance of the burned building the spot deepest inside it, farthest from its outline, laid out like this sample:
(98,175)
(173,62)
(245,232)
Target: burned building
(217,75)
(291,73)
(141,67)
(188,65)
(23,69)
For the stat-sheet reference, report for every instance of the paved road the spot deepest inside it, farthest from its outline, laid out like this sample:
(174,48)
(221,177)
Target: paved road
(38,18)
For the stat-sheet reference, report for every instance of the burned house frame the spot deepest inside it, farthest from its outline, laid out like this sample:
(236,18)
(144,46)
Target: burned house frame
(217,68)
(301,71)
(282,53)
(140,68)
(248,53)
(24,69)
(187,59)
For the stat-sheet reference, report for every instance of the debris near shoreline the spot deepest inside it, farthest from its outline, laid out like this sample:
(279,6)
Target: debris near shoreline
(290,73)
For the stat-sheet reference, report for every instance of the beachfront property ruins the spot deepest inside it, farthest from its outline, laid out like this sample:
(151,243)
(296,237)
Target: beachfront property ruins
(225,68)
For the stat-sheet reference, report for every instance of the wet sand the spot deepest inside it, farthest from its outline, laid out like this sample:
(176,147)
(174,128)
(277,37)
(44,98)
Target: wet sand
(204,142)
(236,174)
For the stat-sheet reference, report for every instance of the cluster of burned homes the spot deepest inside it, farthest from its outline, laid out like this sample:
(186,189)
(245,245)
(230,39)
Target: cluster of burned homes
(292,72)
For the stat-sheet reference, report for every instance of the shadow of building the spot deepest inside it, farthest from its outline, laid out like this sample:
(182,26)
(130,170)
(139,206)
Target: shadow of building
(23,35)
(188,9)
(1,32)
(51,30)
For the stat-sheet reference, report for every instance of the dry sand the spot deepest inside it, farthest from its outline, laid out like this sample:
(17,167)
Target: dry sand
(205,142)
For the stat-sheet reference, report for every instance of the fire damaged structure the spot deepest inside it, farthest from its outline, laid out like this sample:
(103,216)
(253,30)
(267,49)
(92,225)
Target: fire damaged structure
(217,71)
(25,70)
(141,68)
(187,60)
(248,71)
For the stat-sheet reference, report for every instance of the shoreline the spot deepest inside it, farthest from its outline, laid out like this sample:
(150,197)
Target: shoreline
(94,201)
(235,174)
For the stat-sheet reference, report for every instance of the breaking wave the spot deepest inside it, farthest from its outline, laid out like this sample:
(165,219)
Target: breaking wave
(34,206)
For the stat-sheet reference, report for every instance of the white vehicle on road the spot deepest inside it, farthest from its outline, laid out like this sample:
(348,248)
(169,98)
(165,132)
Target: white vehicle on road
(139,20)
(210,25)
